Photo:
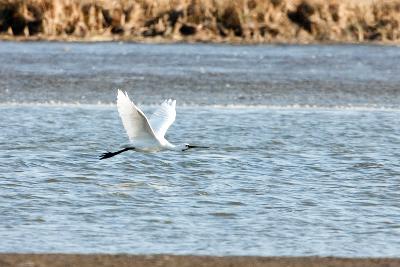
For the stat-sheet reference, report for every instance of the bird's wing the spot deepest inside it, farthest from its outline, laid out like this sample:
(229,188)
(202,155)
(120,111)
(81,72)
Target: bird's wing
(135,122)
(163,117)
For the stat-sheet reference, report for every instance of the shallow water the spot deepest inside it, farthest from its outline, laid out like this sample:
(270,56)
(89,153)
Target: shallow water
(201,74)
(278,179)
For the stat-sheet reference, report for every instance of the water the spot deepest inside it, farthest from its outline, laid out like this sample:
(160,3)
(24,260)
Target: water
(301,163)
(328,76)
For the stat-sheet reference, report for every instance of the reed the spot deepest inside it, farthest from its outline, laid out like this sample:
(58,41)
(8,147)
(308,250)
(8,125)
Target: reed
(249,21)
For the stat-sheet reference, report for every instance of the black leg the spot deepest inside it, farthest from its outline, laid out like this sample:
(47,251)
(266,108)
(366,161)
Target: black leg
(112,154)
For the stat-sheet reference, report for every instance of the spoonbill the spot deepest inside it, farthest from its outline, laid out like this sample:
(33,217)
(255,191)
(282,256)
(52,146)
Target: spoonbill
(146,135)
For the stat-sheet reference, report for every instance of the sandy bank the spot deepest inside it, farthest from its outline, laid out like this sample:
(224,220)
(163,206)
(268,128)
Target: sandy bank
(239,21)
(71,260)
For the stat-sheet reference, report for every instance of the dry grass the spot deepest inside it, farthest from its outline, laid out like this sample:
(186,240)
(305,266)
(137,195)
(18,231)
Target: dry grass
(251,21)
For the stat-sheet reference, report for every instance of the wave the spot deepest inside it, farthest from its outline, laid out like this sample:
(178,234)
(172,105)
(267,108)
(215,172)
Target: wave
(349,107)
(55,104)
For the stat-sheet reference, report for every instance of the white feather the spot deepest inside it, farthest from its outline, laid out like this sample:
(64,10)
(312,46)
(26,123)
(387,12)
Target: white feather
(135,122)
(163,118)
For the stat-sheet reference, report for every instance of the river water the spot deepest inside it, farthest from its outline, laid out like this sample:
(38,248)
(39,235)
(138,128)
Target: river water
(303,159)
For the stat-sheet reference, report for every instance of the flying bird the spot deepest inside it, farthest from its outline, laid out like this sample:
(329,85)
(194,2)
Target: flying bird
(146,135)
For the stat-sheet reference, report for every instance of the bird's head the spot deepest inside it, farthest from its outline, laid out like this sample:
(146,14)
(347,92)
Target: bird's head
(184,147)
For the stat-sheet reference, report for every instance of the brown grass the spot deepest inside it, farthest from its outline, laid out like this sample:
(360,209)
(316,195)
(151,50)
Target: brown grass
(251,21)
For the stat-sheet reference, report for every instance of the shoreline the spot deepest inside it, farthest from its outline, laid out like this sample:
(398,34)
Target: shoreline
(167,41)
(124,260)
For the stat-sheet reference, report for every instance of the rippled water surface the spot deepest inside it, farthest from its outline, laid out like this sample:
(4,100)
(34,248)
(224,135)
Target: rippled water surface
(280,178)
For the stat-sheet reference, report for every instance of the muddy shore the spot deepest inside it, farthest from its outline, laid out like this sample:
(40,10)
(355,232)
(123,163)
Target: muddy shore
(102,260)
(240,21)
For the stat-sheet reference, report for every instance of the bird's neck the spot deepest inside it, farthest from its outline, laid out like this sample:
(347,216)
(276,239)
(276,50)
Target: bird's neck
(176,147)
(170,146)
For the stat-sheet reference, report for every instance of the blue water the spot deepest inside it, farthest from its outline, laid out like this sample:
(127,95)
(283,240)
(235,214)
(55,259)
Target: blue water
(278,179)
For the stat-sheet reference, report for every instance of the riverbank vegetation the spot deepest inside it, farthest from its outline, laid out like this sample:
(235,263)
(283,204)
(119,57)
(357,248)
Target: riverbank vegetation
(239,21)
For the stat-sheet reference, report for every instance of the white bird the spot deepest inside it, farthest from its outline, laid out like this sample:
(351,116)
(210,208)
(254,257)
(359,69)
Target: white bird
(146,134)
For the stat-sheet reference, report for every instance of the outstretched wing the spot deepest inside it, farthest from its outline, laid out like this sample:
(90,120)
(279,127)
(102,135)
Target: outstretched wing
(135,122)
(163,117)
